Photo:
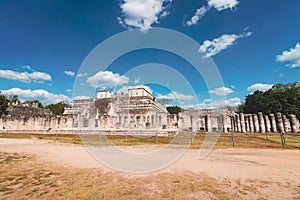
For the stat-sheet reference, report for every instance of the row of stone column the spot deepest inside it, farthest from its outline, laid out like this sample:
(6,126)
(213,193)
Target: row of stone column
(264,123)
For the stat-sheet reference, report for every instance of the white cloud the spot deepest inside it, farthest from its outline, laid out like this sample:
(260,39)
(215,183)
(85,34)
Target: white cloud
(221,91)
(81,97)
(81,75)
(69,73)
(200,12)
(292,56)
(41,95)
(259,86)
(175,96)
(104,79)
(142,13)
(217,4)
(27,67)
(137,81)
(209,104)
(223,4)
(69,91)
(215,46)
(25,76)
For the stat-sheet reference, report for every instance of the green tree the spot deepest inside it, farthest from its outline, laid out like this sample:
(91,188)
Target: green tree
(241,108)
(58,108)
(255,102)
(3,104)
(284,98)
(174,109)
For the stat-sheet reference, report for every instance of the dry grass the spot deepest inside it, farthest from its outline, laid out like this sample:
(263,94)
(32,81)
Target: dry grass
(24,177)
(225,140)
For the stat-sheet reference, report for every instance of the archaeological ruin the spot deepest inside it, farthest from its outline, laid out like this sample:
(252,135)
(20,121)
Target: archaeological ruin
(137,112)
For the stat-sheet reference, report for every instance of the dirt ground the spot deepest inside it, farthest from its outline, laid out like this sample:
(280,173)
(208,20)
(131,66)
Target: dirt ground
(223,174)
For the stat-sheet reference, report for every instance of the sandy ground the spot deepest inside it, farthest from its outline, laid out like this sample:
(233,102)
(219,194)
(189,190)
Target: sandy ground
(276,173)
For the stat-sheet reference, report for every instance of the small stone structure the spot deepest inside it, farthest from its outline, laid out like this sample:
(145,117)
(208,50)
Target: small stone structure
(138,111)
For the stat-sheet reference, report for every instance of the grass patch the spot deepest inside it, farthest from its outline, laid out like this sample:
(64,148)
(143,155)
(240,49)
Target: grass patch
(224,140)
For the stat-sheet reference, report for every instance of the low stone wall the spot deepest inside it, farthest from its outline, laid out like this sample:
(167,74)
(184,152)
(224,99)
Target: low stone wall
(36,123)
(211,122)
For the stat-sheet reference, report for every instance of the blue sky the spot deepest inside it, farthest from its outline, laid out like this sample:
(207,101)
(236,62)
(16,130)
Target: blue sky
(254,44)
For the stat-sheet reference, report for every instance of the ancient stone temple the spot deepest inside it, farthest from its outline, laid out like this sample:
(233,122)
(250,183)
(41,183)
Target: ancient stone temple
(138,109)
(138,112)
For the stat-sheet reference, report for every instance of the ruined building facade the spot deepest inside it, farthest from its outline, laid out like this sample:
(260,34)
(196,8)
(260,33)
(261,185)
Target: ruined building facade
(139,112)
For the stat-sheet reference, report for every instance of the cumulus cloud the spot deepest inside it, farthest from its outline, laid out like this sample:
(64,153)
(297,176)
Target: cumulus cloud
(137,81)
(69,91)
(221,91)
(292,56)
(215,46)
(259,86)
(209,104)
(42,95)
(104,79)
(69,73)
(223,4)
(217,4)
(81,75)
(142,13)
(200,12)
(175,96)
(25,76)
(81,97)
(27,67)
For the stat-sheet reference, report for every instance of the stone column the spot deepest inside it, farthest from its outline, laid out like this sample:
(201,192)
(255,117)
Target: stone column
(208,123)
(294,123)
(247,123)
(262,126)
(255,123)
(273,123)
(279,122)
(251,126)
(242,120)
(238,124)
(232,124)
(225,125)
(286,124)
(268,124)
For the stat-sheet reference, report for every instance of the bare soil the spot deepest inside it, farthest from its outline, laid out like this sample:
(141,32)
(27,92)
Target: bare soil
(42,169)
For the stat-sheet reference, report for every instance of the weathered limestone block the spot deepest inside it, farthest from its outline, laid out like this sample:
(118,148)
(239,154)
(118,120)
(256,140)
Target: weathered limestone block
(279,122)
(286,124)
(237,123)
(225,123)
(294,123)
(273,123)
(255,123)
(268,124)
(251,125)
(247,123)
(242,121)
(232,123)
(208,123)
(262,126)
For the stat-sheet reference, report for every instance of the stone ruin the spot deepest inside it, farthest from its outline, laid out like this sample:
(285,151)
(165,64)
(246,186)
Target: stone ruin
(138,112)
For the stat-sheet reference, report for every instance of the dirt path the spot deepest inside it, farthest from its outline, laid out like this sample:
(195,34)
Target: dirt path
(252,173)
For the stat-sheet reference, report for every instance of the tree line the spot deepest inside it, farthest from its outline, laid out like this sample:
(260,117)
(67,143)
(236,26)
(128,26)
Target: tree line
(56,109)
(284,98)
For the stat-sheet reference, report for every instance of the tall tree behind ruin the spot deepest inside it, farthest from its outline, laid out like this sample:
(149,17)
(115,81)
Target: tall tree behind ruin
(284,98)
